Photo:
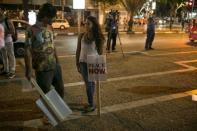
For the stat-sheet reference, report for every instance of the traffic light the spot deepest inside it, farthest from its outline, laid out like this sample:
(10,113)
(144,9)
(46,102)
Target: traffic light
(190,4)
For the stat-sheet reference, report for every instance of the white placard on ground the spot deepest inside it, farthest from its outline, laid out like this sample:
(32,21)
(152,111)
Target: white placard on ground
(45,110)
(52,104)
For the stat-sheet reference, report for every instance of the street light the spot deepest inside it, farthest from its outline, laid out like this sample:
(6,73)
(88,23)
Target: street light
(153,5)
(150,6)
(79,5)
(32,17)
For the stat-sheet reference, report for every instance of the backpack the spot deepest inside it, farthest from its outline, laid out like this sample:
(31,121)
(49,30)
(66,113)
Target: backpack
(14,34)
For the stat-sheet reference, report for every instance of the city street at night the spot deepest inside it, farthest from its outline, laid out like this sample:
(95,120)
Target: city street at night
(145,90)
(98,65)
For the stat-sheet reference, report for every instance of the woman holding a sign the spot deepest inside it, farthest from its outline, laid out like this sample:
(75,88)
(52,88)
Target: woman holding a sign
(89,43)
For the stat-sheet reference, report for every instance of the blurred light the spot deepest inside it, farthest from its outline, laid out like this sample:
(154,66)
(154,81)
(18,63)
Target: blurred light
(32,17)
(189,3)
(154,5)
(78,4)
(160,22)
(192,15)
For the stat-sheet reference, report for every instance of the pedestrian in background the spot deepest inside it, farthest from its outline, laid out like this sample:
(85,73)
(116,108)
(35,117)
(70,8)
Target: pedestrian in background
(2,41)
(9,61)
(89,43)
(113,31)
(2,33)
(125,24)
(130,25)
(40,52)
(150,34)
(182,24)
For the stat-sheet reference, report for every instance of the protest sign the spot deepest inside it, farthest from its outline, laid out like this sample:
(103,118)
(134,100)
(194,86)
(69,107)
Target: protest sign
(97,69)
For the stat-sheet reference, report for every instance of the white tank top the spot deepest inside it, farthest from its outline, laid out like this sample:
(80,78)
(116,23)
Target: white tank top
(8,37)
(87,49)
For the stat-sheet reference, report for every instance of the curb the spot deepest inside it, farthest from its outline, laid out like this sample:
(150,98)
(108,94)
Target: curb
(137,32)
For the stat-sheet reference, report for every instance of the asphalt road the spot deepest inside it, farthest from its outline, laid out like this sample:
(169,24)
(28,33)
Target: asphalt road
(145,90)
(130,42)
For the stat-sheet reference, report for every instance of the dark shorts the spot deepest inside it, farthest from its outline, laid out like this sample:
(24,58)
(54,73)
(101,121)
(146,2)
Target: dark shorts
(53,77)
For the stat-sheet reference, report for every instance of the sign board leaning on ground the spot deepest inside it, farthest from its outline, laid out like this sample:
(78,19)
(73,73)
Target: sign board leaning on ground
(52,105)
(97,68)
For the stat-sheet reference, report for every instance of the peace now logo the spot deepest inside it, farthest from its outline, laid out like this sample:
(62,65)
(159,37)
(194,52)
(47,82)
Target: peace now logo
(97,69)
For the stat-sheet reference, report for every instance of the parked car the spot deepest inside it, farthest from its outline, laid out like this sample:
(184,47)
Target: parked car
(60,24)
(20,27)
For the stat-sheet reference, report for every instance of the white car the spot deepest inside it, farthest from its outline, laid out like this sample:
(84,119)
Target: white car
(60,24)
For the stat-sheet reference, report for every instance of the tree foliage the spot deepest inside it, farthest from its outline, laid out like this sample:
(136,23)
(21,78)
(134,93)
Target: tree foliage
(132,6)
(110,2)
(170,6)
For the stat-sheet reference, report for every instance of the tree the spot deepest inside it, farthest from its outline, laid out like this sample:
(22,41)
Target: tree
(104,4)
(172,6)
(25,6)
(110,2)
(132,6)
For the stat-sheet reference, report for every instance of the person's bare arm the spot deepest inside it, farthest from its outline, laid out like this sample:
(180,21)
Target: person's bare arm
(28,54)
(78,51)
(100,51)
(11,27)
(55,52)
(28,62)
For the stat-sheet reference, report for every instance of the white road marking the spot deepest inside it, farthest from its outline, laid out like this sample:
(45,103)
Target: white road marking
(131,52)
(174,53)
(140,52)
(126,52)
(66,56)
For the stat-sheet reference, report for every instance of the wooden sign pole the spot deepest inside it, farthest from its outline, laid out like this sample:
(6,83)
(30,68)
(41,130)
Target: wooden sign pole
(98,98)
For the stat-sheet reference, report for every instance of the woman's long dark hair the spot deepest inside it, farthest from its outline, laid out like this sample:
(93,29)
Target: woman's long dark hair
(97,33)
